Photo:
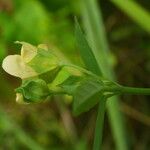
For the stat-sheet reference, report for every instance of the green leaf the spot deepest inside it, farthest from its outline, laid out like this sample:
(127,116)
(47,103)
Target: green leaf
(86,51)
(35,90)
(44,61)
(87,94)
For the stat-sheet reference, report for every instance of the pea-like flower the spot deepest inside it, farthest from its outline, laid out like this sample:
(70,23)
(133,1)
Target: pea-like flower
(34,63)
(16,64)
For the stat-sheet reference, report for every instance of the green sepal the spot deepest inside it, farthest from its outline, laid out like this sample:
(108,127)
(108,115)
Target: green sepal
(49,76)
(64,75)
(35,90)
(44,61)
(70,84)
(87,95)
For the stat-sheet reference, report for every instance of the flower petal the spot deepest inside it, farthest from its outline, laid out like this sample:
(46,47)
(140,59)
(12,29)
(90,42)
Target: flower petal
(43,46)
(28,51)
(14,65)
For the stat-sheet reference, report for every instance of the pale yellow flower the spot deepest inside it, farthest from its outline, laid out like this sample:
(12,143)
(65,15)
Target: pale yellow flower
(16,65)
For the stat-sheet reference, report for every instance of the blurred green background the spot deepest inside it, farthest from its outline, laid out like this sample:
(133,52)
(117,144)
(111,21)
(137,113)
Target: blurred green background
(51,125)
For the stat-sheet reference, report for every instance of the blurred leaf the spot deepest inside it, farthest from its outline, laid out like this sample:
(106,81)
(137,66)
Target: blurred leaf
(7,27)
(2,51)
(33,26)
(54,5)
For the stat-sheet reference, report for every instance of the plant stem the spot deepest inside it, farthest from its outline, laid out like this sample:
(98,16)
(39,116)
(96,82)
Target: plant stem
(128,90)
(99,125)
(136,91)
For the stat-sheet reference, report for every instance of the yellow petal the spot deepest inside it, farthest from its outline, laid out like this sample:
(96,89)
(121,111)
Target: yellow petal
(43,46)
(14,65)
(28,51)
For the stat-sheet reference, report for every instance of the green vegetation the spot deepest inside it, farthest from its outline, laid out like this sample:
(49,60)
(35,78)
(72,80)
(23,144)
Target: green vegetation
(74,75)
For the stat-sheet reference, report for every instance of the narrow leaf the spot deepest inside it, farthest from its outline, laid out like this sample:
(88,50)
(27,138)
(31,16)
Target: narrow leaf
(86,51)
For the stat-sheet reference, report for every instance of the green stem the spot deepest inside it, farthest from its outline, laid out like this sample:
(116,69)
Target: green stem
(136,91)
(128,90)
(102,106)
(117,89)
(99,125)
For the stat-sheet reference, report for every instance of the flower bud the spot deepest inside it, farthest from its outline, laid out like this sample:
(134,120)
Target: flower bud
(35,90)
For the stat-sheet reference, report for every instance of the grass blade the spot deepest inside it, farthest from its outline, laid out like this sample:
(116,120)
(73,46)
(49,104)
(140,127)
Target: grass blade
(93,23)
(99,125)
(135,12)
(92,65)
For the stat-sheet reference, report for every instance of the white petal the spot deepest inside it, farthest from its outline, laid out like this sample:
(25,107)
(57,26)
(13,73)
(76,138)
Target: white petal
(28,51)
(14,65)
